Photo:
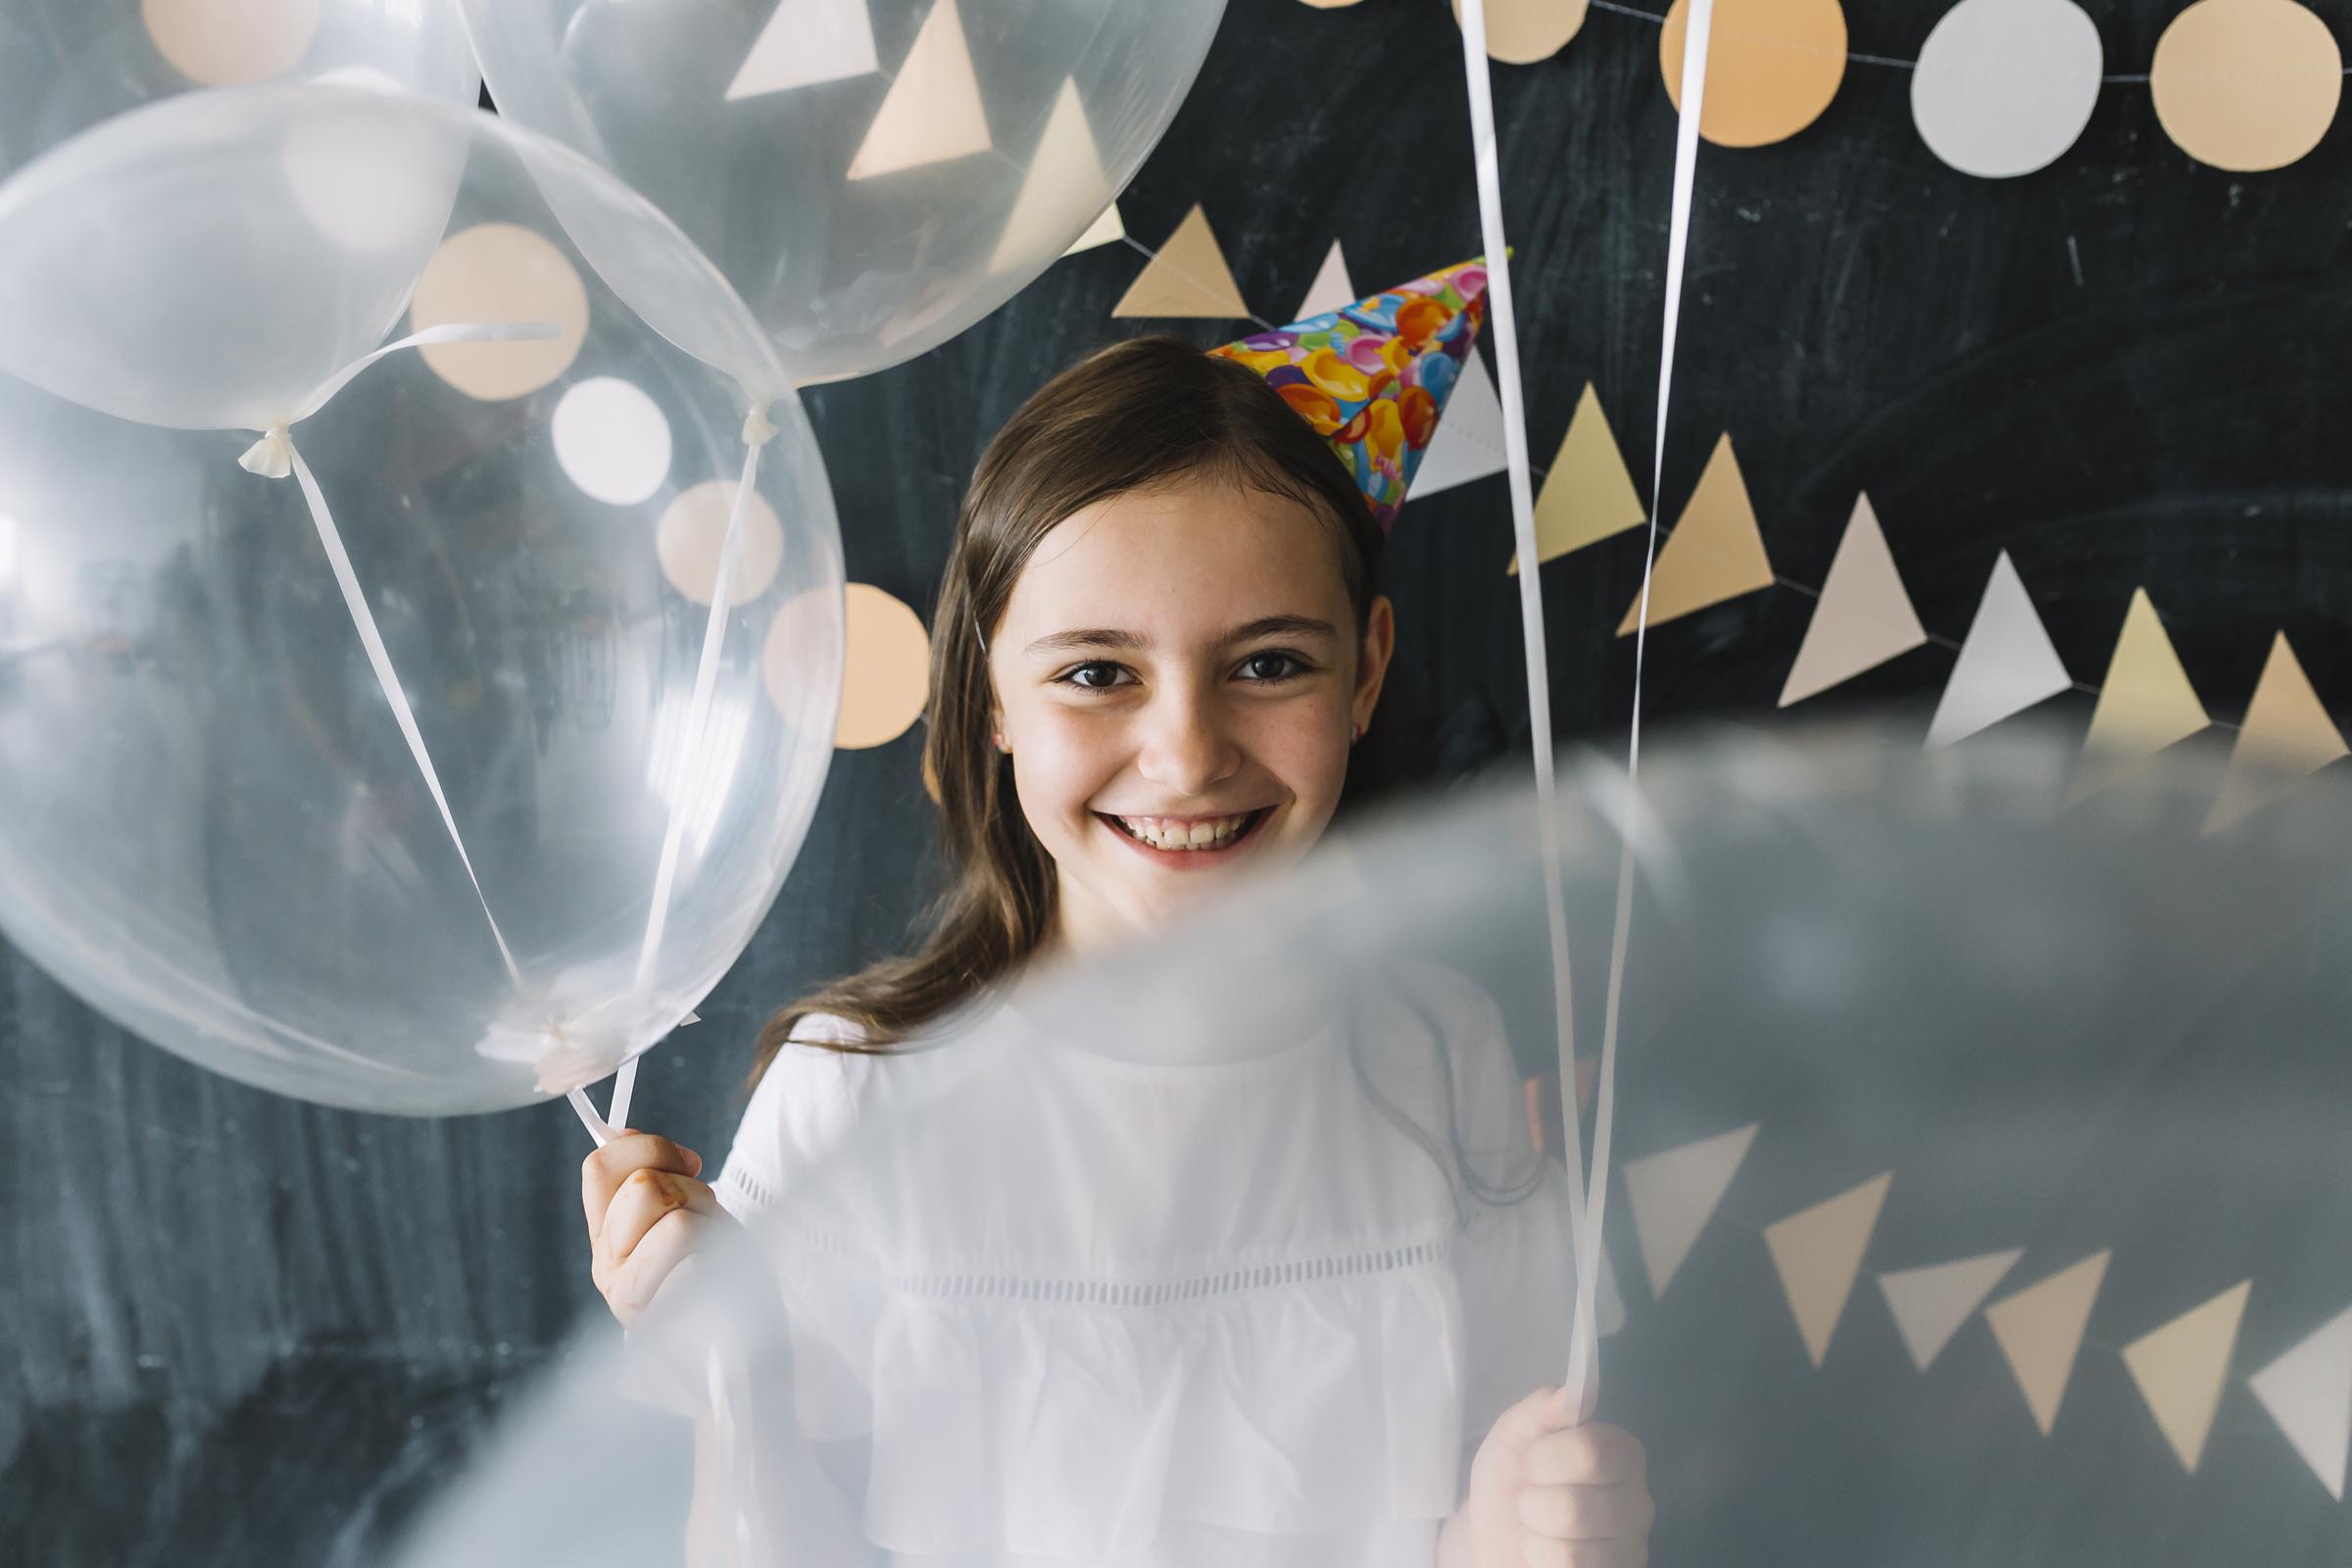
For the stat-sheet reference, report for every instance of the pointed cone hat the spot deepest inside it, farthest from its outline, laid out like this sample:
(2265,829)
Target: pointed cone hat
(1374,376)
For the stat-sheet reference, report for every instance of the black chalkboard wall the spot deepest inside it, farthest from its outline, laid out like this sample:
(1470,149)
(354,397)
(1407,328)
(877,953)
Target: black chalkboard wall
(235,1329)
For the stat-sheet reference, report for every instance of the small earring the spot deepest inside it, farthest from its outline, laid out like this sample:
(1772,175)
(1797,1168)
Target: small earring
(1002,745)
(1356,736)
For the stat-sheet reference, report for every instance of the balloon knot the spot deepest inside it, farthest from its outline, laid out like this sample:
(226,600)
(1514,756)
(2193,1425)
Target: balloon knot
(758,428)
(273,456)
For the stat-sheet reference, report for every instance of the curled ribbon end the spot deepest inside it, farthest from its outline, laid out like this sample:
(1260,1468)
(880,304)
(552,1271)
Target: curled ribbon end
(273,456)
(758,428)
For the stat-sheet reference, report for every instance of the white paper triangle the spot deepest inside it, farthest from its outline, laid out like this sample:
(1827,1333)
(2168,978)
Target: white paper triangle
(932,111)
(1673,1194)
(1864,618)
(2308,1392)
(806,42)
(1331,290)
(1468,444)
(2006,666)
(1931,1304)
(1066,184)
(1107,227)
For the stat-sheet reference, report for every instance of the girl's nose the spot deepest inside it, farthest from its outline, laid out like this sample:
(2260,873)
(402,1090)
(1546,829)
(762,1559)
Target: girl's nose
(1187,748)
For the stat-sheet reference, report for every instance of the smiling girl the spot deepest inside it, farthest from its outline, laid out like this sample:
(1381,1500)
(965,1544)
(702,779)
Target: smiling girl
(1158,641)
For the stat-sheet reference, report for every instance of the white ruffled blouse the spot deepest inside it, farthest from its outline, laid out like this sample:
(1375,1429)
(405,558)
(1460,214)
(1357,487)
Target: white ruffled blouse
(1075,1308)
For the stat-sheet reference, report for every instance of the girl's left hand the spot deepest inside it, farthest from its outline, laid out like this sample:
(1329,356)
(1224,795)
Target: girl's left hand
(1548,1496)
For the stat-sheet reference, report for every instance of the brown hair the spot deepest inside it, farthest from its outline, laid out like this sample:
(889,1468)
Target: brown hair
(1139,414)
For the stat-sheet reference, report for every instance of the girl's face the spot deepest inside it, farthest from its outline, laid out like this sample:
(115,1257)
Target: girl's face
(1178,673)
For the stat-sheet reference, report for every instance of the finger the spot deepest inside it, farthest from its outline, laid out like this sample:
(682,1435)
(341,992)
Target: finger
(603,1172)
(1594,1455)
(640,1204)
(1541,1553)
(634,1283)
(1587,1514)
(1527,1420)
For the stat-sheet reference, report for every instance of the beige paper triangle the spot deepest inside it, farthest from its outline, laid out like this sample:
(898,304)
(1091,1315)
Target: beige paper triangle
(932,111)
(2308,1392)
(2180,1367)
(2288,735)
(1188,278)
(1863,618)
(1587,495)
(1065,187)
(1107,228)
(2040,1330)
(1818,1252)
(1674,1193)
(1931,1304)
(1714,553)
(806,42)
(2146,703)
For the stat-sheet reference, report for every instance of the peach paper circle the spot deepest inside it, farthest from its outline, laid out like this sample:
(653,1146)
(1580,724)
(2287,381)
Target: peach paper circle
(693,530)
(2246,84)
(1520,32)
(886,670)
(1772,66)
(231,43)
(501,273)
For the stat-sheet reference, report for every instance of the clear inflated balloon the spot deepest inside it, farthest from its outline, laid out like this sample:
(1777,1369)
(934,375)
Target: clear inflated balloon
(1217,1250)
(873,175)
(213,824)
(66,65)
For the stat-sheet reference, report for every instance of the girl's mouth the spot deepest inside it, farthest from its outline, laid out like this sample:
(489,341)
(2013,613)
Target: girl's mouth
(1200,839)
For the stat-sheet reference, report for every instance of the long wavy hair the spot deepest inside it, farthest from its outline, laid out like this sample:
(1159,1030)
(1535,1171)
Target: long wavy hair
(1141,413)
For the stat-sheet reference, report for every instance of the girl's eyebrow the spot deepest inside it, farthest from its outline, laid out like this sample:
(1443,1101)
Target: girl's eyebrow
(1133,642)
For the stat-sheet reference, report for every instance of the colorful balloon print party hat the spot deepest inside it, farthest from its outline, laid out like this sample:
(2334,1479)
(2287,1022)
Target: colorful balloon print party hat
(1374,376)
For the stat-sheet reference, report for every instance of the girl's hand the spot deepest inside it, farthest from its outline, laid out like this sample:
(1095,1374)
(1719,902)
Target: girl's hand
(647,1213)
(1548,1496)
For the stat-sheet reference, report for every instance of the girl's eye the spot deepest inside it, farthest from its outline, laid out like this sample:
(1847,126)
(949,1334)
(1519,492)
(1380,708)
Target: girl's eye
(1272,666)
(1097,676)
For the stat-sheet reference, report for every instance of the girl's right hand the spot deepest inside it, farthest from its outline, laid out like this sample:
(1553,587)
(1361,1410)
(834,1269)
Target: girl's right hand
(647,1213)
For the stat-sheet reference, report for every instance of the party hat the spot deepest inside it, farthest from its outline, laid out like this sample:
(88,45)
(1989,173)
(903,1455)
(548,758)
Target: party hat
(1374,376)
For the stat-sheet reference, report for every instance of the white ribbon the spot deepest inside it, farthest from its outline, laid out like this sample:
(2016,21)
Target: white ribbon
(1588,1195)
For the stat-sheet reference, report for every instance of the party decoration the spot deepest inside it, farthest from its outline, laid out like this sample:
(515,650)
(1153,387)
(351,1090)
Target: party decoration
(1520,32)
(2179,1369)
(1331,290)
(2006,664)
(2146,703)
(68,64)
(1818,1253)
(1983,115)
(457,799)
(1773,67)
(807,42)
(1468,444)
(2308,1392)
(2286,735)
(873,175)
(1107,228)
(1715,553)
(1376,377)
(2246,84)
(1674,1192)
(1931,1304)
(1187,276)
(886,674)
(1864,617)
(2039,1330)
(1587,493)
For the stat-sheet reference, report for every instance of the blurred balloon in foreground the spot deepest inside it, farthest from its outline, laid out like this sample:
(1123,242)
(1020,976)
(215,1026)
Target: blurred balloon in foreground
(213,821)
(1209,1252)
(66,65)
(874,176)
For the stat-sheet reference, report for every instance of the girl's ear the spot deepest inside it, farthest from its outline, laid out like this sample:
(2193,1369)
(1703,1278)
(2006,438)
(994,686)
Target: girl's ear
(1372,659)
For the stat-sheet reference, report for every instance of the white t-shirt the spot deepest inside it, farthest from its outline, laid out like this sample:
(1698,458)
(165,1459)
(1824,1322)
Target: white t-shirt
(1074,1309)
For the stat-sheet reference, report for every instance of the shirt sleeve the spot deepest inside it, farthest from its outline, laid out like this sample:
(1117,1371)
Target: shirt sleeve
(806,1104)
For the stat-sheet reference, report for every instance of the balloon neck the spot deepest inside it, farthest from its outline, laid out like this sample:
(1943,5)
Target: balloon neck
(273,456)
(758,428)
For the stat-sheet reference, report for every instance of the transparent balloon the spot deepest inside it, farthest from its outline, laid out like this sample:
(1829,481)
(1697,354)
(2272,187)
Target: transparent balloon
(1223,1248)
(66,65)
(874,176)
(229,823)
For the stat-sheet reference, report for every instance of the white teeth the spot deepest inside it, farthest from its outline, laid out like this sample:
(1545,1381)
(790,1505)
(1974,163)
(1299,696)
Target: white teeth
(1163,834)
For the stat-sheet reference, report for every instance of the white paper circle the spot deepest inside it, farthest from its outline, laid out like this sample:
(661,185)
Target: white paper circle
(611,440)
(2004,87)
